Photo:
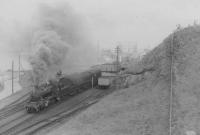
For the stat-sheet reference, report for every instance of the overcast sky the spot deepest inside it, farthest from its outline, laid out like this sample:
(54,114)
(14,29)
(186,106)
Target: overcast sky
(145,22)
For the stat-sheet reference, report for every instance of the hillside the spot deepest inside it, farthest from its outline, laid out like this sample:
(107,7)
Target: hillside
(186,76)
(187,81)
(143,108)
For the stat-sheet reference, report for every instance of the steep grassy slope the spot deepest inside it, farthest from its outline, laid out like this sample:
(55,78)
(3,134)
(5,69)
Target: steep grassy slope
(186,76)
(186,85)
(143,109)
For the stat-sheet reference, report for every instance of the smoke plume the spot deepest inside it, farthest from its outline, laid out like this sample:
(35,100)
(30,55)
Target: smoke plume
(59,34)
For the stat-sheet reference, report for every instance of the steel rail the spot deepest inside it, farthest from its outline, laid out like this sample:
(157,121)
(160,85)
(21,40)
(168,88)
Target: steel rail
(17,129)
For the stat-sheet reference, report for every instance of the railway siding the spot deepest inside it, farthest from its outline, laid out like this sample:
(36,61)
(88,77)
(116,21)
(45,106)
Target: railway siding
(33,122)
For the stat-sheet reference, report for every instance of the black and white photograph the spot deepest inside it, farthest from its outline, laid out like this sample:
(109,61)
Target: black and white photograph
(99,67)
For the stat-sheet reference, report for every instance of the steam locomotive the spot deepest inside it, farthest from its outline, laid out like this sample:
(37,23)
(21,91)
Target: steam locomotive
(60,88)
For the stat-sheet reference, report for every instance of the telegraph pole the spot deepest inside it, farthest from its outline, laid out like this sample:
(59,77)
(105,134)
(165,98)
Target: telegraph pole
(171,84)
(12,77)
(117,50)
(98,51)
(92,82)
(19,66)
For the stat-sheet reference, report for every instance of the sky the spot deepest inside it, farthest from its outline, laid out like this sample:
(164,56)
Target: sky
(146,22)
(110,22)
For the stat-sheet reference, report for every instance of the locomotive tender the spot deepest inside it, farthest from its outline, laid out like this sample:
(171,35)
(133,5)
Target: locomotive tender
(59,89)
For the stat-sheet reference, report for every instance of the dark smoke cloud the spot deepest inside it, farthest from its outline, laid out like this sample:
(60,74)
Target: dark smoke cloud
(49,52)
(59,39)
(63,20)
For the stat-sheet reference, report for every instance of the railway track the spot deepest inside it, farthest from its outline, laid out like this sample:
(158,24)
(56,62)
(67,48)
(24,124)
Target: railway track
(34,123)
(57,119)
(48,123)
(12,119)
(12,108)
